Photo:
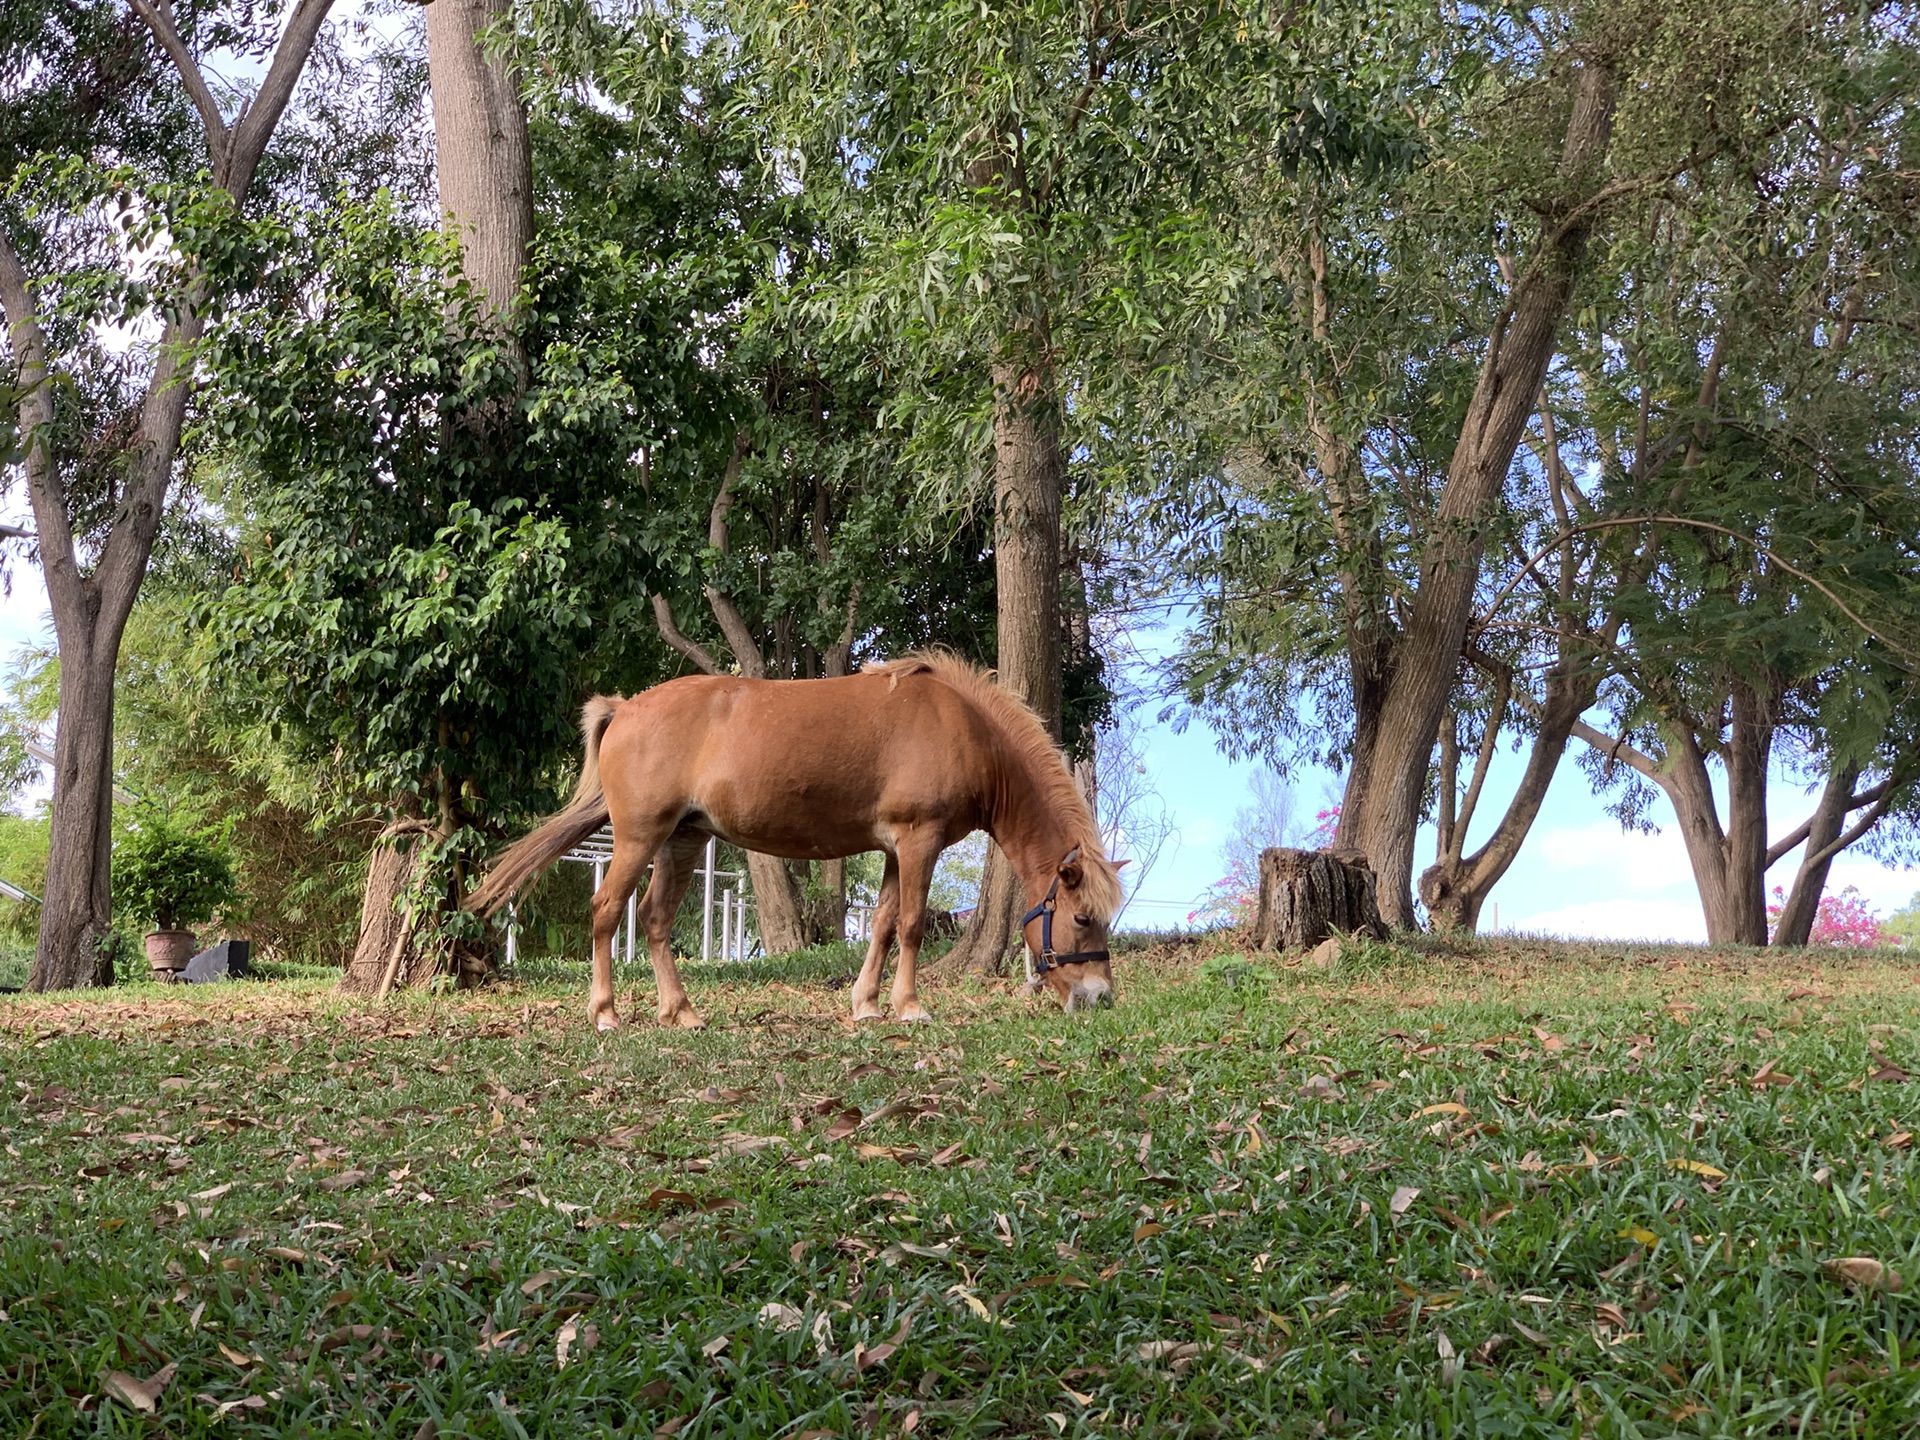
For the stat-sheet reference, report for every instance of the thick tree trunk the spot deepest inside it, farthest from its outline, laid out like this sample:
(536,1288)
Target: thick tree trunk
(1749,750)
(386,957)
(1380,812)
(1308,895)
(1795,925)
(827,905)
(481,150)
(482,161)
(75,913)
(1027,472)
(777,907)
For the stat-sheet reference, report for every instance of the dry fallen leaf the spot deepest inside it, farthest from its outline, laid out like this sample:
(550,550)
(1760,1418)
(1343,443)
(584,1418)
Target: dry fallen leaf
(1152,1351)
(1610,1315)
(1402,1201)
(1697,1167)
(845,1125)
(783,1318)
(1146,1229)
(1450,1365)
(563,1343)
(538,1281)
(1638,1234)
(1859,1272)
(141,1395)
(215,1193)
(345,1179)
(1445,1107)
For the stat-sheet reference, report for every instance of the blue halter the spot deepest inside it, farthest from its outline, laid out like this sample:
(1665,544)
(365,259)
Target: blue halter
(1044,913)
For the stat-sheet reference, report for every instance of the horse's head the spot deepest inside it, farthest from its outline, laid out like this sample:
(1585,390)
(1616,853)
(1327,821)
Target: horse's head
(1067,931)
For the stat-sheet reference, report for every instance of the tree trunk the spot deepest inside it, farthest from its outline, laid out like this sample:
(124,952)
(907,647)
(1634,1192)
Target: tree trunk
(1308,895)
(777,907)
(1027,473)
(386,956)
(1802,907)
(1456,887)
(481,150)
(1380,812)
(827,905)
(1749,749)
(76,934)
(482,161)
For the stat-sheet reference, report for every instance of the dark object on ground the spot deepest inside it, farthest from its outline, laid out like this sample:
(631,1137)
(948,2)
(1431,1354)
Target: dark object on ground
(225,961)
(942,924)
(1307,895)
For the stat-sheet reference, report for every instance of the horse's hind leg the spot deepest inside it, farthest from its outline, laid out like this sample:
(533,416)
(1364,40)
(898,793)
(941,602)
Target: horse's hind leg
(673,867)
(622,876)
(917,860)
(886,911)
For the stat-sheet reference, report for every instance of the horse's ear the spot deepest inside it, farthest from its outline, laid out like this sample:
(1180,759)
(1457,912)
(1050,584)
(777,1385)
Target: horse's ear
(1070,867)
(1121,864)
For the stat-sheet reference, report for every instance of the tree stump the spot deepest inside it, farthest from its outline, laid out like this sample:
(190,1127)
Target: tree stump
(1307,895)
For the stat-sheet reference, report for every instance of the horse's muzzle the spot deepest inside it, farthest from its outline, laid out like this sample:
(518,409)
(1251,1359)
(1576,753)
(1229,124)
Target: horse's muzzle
(1092,993)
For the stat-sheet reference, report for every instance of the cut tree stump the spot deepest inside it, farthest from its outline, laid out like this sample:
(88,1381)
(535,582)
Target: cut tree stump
(1308,895)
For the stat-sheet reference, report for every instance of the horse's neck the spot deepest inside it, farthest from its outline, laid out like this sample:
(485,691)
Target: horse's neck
(1034,838)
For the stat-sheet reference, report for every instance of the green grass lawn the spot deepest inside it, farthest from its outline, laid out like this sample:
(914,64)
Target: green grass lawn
(1490,1190)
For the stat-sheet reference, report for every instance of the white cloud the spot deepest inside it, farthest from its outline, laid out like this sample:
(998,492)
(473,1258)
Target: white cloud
(1626,859)
(1615,920)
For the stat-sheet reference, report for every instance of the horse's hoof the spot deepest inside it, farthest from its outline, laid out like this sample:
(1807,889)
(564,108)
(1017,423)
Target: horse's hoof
(914,1015)
(685,1018)
(869,1011)
(607,1022)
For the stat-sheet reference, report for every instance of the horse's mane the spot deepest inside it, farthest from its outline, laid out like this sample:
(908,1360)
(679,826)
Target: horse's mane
(1027,738)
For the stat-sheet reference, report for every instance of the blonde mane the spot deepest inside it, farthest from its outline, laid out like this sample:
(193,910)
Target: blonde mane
(1029,741)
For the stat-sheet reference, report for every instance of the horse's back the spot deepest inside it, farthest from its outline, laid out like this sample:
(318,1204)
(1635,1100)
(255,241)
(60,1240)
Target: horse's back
(799,767)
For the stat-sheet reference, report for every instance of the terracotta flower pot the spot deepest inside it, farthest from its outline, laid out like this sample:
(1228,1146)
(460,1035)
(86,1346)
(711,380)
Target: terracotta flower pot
(168,951)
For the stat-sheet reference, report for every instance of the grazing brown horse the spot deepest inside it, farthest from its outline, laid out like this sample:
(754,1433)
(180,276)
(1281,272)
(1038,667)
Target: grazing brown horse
(905,758)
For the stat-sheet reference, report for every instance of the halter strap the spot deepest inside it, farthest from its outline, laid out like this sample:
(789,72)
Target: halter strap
(1044,913)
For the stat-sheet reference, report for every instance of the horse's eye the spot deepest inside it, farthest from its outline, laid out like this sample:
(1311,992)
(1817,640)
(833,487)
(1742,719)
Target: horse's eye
(1083,920)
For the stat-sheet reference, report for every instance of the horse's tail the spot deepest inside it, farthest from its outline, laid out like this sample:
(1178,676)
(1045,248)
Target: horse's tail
(553,837)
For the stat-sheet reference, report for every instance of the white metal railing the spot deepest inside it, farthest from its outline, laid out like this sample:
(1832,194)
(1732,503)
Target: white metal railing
(736,942)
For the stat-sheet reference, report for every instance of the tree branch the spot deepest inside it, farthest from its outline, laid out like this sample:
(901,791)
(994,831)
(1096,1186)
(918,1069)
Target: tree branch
(671,633)
(29,345)
(1748,540)
(159,18)
(1781,847)
(733,625)
(1483,761)
(260,115)
(1860,827)
(1618,749)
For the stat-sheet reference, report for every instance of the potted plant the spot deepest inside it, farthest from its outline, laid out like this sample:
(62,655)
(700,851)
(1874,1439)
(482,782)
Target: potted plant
(175,875)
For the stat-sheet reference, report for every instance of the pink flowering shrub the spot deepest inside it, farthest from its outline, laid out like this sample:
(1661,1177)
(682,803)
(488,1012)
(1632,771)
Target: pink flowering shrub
(1844,921)
(1325,823)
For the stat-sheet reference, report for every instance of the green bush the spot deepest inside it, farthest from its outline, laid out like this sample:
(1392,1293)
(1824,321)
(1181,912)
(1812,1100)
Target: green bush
(172,873)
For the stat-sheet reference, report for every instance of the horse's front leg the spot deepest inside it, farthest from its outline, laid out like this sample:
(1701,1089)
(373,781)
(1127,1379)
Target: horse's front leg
(917,860)
(886,911)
